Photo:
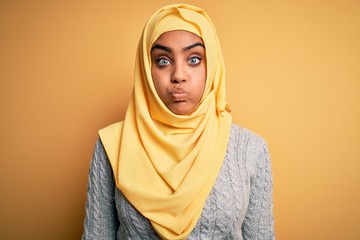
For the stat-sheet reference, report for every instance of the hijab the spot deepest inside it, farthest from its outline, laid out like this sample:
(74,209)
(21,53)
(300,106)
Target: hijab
(166,164)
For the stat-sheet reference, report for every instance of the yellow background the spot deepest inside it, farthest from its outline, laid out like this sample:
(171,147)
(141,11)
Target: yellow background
(292,76)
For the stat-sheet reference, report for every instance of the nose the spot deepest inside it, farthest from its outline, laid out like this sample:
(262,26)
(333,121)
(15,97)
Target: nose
(178,74)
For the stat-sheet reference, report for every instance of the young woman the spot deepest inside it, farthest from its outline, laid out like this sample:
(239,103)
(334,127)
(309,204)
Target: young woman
(177,167)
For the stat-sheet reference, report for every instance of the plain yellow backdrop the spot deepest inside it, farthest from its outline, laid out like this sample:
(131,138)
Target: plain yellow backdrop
(293,76)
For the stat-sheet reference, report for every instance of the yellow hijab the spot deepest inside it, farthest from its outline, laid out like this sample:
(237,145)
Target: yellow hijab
(166,164)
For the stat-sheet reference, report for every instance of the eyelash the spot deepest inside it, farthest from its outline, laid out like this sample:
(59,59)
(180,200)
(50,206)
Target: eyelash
(160,61)
(197,58)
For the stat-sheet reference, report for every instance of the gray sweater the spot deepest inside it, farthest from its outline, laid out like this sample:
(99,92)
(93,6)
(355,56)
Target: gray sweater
(238,207)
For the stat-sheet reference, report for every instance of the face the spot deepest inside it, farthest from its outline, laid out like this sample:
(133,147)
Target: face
(179,70)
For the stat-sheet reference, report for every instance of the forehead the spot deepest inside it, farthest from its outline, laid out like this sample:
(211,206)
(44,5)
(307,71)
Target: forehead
(178,37)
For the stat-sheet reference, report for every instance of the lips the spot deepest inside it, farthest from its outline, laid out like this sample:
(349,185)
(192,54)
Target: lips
(179,95)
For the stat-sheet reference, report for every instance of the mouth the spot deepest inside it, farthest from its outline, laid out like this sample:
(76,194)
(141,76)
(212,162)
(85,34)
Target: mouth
(179,95)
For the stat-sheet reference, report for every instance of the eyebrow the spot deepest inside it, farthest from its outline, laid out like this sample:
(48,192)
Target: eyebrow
(167,49)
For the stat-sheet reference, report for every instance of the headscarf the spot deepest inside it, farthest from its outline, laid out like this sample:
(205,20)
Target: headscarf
(166,164)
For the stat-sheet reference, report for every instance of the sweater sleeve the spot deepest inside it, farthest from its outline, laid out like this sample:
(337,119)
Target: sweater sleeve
(259,221)
(100,213)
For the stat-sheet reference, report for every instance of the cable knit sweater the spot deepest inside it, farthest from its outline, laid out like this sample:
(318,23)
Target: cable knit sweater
(238,207)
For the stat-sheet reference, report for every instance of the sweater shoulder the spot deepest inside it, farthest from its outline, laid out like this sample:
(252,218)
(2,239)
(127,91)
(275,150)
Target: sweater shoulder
(252,137)
(250,146)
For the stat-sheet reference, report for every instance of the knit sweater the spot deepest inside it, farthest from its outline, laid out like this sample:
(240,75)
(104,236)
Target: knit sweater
(238,207)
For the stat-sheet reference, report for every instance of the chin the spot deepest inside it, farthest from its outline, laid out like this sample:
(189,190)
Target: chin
(181,111)
(180,108)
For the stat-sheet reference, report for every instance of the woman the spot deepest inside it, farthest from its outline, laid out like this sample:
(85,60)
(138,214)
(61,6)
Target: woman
(176,167)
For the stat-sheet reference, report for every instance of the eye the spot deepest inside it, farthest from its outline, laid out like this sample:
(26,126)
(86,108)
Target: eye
(194,60)
(162,62)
